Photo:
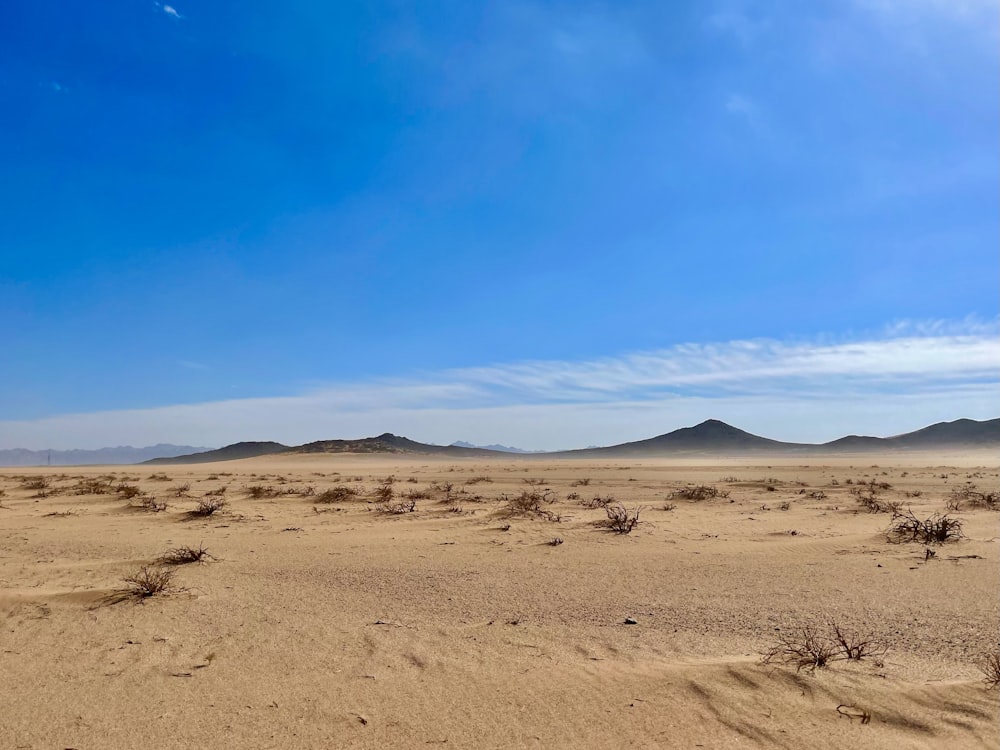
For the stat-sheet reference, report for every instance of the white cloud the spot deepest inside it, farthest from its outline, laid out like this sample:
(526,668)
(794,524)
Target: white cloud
(809,390)
(169,10)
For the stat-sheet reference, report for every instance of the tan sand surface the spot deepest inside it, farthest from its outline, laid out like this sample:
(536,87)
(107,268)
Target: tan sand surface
(333,625)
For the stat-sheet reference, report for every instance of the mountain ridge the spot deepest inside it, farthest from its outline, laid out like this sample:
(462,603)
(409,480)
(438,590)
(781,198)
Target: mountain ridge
(707,438)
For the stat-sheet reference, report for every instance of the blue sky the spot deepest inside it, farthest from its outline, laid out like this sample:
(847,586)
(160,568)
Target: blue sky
(307,220)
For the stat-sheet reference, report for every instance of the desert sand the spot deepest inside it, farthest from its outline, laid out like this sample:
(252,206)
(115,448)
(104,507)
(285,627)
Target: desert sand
(332,624)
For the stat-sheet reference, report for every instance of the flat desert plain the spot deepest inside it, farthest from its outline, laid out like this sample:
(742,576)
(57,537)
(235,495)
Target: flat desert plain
(501,612)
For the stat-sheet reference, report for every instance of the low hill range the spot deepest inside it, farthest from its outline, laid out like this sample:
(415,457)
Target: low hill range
(122,454)
(711,437)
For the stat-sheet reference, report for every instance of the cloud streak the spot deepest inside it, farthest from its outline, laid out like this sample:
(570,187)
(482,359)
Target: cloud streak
(807,390)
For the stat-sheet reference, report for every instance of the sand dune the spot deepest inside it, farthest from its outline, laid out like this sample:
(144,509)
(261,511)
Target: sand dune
(333,625)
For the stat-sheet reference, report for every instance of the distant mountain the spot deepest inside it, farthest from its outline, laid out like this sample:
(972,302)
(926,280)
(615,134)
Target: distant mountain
(494,447)
(228,453)
(961,433)
(711,436)
(123,454)
(389,443)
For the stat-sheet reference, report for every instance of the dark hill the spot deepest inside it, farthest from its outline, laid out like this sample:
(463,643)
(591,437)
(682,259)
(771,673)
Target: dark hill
(228,453)
(711,436)
(389,443)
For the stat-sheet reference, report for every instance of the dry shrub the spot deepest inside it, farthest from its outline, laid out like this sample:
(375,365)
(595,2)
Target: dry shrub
(392,506)
(971,496)
(185,555)
(808,647)
(580,483)
(803,648)
(937,529)
(181,490)
(207,506)
(534,482)
(417,495)
(598,502)
(217,492)
(36,483)
(699,492)
(339,494)
(530,504)
(161,477)
(620,519)
(857,647)
(477,480)
(990,667)
(148,503)
(261,491)
(147,582)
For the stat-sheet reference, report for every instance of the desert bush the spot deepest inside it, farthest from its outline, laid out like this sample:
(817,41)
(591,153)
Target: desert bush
(857,647)
(147,582)
(259,491)
(395,507)
(534,482)
(620,519)
(149,503)
(937,529)
(969,494)
(530,504)
(598,502)
(161,477)
(185,555)
(580,483)
(217,492)
(804,647)
(699,492)
(181,490)
(785,506)
(207,506)
(817,495)
(990,666)
(669,506)
(478,480)
(36,483)
(340,493)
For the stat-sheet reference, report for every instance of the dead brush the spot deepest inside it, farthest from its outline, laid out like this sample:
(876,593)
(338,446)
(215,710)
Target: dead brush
(207,506)
(598,502)
(530,504)
(395,507)
(93,486)
(805,648)
(147,582)
(38,484)
(262,491)
(620,519)
(185,555)
(990,666)
(936,529)
(478,480)
(971,496)
(148,503)
(698,492)
(127,491)
(857,647)
(339,494)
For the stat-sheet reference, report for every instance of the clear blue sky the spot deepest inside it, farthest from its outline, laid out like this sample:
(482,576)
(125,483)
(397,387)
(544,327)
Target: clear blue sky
(208,201)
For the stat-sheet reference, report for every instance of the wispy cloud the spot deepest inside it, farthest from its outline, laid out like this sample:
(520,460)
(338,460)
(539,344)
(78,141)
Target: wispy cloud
(170,10)
(912,374)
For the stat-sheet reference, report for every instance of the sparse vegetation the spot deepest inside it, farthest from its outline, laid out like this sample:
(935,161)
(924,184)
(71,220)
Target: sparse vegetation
(339,494)
(969,495)
(699,492)
(207,506)
(185,555)
(580,483)
(387,504)
(598,502)
(990,666)
(147,582)
(621,520)
(148,503)
(937,529)
(530,504)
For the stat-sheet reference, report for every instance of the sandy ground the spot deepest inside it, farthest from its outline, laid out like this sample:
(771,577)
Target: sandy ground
(330,625)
